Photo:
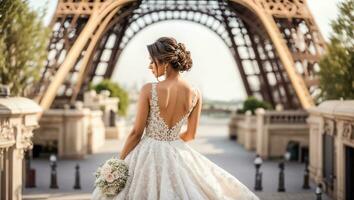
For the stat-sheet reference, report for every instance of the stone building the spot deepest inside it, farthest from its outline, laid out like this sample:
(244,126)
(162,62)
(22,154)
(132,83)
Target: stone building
(332,147)
(272,133)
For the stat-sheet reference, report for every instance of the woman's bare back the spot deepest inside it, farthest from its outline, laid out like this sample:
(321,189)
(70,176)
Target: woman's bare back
(174,100)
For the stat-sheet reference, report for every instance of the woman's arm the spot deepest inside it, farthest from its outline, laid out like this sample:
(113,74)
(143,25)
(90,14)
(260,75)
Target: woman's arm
(193,121)
(140,121)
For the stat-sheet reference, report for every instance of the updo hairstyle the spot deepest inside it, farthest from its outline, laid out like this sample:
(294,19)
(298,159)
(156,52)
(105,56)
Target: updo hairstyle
(168,50)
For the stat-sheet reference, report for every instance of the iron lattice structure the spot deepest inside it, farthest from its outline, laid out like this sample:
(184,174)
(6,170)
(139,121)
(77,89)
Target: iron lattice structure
(275,43)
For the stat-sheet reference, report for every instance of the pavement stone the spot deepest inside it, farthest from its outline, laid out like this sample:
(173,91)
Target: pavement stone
(212,141)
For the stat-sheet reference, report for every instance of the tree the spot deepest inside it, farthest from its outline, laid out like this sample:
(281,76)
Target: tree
(23,42)
(116,91)
(337,65)
(252,103)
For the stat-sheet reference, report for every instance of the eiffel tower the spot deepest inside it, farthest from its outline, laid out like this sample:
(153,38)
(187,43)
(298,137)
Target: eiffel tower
(276,44)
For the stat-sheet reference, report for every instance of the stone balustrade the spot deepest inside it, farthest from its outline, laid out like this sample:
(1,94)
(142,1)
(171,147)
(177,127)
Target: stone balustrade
(235,118)
(270,133)
(276,129)
(246,130)
(75,132)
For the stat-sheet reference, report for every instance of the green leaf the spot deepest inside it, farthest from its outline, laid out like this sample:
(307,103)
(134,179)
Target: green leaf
(23,45)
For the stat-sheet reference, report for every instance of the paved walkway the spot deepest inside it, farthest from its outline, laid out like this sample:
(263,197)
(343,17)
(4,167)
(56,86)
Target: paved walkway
(212,141)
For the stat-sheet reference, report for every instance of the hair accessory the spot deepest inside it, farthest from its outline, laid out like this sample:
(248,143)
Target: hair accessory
(178,51)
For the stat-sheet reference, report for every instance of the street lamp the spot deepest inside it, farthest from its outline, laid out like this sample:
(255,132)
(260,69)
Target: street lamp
(52,158)
(258,177)
(53,173)
(318,192)
(281,183)
(258,162)
(287,155)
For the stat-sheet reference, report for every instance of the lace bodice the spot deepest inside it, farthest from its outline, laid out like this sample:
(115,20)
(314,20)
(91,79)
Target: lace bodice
(157,128)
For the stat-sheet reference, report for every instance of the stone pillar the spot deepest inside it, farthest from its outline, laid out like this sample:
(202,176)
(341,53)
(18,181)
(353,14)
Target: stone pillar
(18,118)
(262,138)
(75,139)
(315,150)
(340,161)
(96,131)
(250,131)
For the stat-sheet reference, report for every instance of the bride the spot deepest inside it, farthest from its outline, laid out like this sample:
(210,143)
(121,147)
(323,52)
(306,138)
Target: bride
(161,164)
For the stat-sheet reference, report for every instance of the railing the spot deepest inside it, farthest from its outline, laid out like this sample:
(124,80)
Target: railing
(285,117)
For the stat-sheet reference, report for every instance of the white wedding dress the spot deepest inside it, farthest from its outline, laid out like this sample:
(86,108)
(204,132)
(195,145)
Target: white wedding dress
(163,167)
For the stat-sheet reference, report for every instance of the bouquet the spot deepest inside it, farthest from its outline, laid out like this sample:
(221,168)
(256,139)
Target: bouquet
(112,176)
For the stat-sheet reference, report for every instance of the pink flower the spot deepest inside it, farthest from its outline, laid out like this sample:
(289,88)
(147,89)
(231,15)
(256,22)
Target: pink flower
(109,178)
(106,169)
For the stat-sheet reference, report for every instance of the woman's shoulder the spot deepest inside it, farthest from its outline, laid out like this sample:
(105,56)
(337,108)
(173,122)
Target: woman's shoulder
(195,90)
(194,87)
(146,88)
(185,85)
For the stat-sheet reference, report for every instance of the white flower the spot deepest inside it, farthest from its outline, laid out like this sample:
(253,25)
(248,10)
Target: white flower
(111,191)
(112,176)
(115,175)
(109,178)
(106,169)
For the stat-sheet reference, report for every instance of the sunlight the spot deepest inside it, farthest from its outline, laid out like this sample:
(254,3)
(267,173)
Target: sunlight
(220,78)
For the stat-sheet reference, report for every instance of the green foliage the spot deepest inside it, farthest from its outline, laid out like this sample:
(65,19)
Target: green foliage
(23,42)
(116,91)
(343,28)
(252,103)
(337,65)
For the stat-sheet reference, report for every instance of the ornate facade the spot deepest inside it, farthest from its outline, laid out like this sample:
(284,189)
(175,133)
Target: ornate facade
(18,118)
(332,147)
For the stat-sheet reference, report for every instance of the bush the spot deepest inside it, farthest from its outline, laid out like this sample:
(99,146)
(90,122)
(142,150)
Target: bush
(116,91)
(252,103)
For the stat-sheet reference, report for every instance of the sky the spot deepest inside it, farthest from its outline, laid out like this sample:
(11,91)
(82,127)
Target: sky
(214,70)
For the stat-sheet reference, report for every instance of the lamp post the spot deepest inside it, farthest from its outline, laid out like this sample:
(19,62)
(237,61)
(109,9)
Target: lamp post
(318,192)
(287,155)
(281,184)
(53,172)
(258,177)
(306,184)
(77,185)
